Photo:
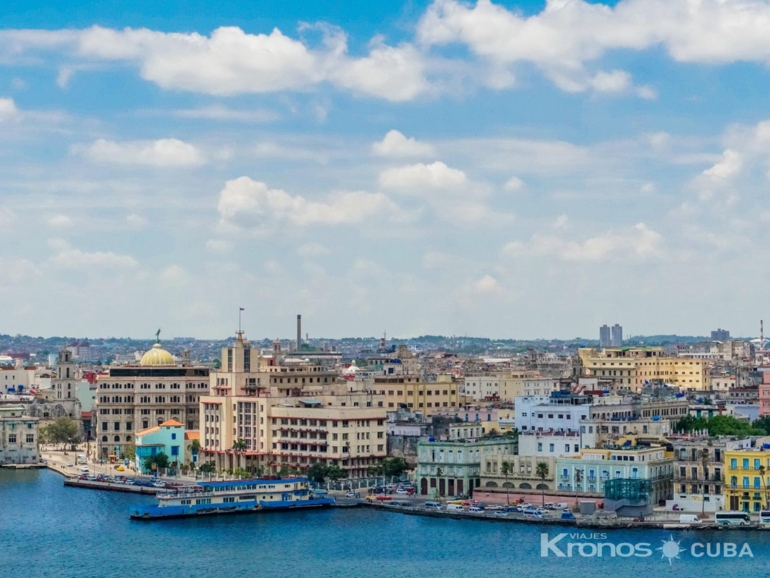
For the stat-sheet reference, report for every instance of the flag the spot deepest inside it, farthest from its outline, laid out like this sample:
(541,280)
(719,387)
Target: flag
(241,309)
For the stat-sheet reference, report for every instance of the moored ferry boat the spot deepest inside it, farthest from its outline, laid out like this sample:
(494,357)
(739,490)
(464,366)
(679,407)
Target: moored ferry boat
(243,496)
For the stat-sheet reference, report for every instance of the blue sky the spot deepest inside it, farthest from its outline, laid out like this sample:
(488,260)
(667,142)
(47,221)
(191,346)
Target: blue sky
(516,169)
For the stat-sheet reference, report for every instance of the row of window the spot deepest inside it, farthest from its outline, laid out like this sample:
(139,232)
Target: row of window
(29,438)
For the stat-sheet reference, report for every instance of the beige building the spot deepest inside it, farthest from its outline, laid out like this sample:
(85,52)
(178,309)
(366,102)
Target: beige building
(289,415)
(631,367)
(136,397)
(423,396)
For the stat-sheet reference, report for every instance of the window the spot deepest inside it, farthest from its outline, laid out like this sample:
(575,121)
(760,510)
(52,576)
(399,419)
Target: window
(11,438)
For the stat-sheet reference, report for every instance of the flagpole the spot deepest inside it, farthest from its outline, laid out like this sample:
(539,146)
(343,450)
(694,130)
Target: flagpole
(240,309)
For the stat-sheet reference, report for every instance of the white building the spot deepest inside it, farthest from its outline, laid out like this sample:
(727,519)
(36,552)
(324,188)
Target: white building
(18,436)
(541,414)
(549,444)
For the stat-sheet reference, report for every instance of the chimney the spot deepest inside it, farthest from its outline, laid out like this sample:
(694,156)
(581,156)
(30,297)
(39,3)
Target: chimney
(299,332)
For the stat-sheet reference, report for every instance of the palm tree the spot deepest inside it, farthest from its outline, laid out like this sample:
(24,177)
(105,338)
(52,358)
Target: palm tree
(239,446)
(541,471)
(505,469)
(705,458)
(439,473)
(762,473)
(733,486)
(578,478)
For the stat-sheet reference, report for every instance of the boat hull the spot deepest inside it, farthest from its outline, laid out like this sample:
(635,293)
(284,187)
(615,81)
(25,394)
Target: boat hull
(246,507)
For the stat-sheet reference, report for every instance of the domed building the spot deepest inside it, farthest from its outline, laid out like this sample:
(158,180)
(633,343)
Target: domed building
(157,356)
(136,397)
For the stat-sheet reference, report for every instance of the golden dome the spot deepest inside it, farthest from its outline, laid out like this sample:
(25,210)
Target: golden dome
(157,356)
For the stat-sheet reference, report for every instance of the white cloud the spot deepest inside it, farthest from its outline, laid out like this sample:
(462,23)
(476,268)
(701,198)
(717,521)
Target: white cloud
(640,242)
(513,184)
(728,166)
(251,205)
(224,113)
(7,219)
(174,276)
(488,285)
(309,250)
(136,221)
(561,222)
(167,152)
(8,110)
(59,221)
(218,246)
(67,257)
(230,61)
(395,144)
(422,177)
(566,36)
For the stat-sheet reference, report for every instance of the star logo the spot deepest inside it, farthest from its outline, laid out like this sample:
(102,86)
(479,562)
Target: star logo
(670,549)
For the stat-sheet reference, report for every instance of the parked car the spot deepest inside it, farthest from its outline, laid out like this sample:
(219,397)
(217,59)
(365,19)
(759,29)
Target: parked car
(560,506)
(476,509)
(383,498)
(83,468)
(501,513)
(404,504)
(82,477)
(158,485)
(352,495)
(567,515)
(379,490)
(493,507)
(533,512)
(402,491)
(549,506)
(130,482)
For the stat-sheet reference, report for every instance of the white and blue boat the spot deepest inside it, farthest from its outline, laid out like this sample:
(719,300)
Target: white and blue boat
(233,497)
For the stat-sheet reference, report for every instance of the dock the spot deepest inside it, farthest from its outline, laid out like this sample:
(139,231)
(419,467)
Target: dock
(112,487)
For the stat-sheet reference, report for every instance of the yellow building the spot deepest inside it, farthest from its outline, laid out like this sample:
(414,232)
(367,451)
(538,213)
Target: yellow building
(631,367)
(423,396)
(746,479)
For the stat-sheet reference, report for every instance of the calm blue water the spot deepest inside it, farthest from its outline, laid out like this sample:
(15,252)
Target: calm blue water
(49,530)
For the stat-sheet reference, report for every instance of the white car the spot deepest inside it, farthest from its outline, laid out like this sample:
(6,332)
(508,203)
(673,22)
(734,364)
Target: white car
(83,468)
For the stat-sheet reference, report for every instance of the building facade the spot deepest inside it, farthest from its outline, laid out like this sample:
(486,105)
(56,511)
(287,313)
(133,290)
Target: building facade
(18,436)
(137,397)
(449,468)
(747,475)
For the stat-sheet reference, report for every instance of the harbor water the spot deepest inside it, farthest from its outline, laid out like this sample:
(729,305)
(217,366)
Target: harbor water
(51,530)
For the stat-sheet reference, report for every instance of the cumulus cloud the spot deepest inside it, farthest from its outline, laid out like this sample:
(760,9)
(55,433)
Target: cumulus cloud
(422,177)
(8,110)
(174,276)
(639,242)
(488,285)
(246,204)
(728,166)
(231,61)
(565,37)
(513,184)
(395,144)
(59,221)
(167,152)
(67,257)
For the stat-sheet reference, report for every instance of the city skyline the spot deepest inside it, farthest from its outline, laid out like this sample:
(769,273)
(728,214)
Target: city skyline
(383,167)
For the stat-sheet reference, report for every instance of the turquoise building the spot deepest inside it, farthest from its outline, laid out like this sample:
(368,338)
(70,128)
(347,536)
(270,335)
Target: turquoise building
(167,438)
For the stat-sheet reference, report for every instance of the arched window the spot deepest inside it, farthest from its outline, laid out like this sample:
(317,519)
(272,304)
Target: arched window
(104,438)
(117,438)
(145,424)
(128,438)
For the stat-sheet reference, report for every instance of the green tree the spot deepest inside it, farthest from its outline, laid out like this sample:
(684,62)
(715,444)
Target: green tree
(578,478)
(128,452)
(762,423)
(335,473)
(394,467)
(541,471)
(160,461)
(207,468)
(505,469)
(317,472)
(64,431)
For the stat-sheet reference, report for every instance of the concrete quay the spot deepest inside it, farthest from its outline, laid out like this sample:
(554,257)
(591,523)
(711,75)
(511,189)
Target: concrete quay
(112,487)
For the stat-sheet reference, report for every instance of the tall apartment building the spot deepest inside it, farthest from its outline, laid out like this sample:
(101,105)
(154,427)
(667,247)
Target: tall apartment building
(289,414)
(136,397)
(616,339)
(18,436)
(632,368)
(605,339)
